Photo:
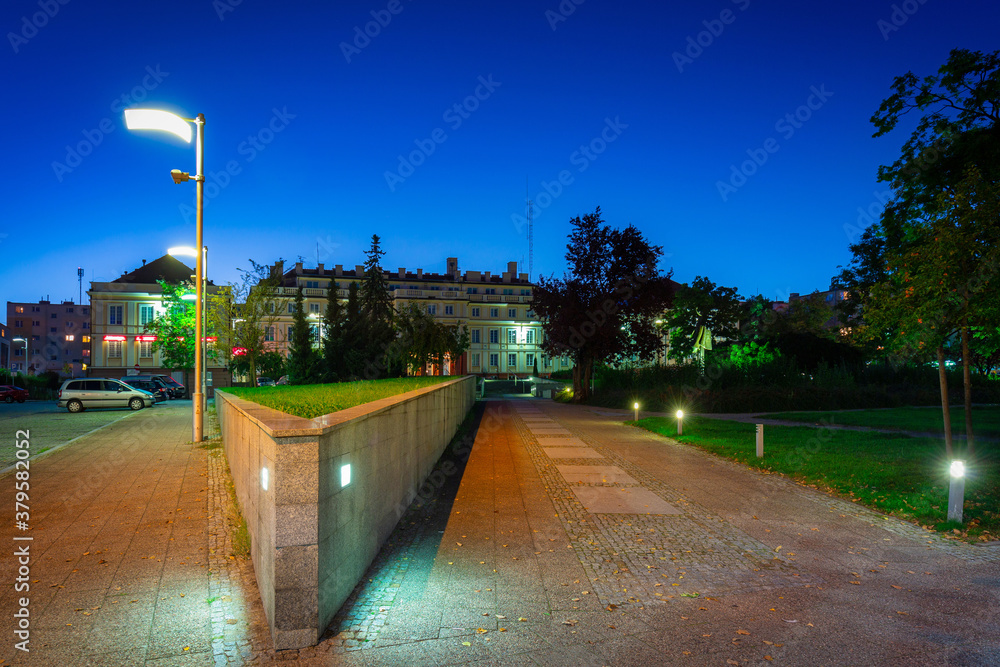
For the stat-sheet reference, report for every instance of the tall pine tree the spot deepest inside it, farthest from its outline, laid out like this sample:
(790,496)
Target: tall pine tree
(378,313)
(334,366)
(301,356)
(353,334)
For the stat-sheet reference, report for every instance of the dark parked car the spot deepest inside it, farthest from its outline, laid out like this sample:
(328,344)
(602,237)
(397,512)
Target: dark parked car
(9,393)
(174,388)
(156,389)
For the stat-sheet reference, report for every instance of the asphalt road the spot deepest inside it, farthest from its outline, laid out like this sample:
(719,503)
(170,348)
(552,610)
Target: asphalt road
(50,426)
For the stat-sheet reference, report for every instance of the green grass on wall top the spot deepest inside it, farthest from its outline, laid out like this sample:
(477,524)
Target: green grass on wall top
(316,400)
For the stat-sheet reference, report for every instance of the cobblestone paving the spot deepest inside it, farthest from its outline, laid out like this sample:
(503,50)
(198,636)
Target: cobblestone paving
(649,558)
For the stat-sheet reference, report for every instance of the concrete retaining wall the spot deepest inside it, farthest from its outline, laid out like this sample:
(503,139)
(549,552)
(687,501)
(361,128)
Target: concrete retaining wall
(312,539)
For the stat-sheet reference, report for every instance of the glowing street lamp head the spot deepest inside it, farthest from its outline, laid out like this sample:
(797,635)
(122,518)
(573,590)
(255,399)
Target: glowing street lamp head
(183,251)
(957,469)
(680,414)
(635,406)
(155,119)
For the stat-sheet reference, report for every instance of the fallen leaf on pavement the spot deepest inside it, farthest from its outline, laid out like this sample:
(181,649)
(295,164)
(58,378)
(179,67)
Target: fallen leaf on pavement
(466,643)
(742,632)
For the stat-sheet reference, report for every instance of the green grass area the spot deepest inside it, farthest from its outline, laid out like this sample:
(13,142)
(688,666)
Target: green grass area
(893,473)
(315,400)
(985,419)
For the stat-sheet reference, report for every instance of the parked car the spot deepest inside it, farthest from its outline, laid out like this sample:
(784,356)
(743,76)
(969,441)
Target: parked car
(282,380)
(264,381)
(9,393)
(157,389)
(174,388)
(78,395)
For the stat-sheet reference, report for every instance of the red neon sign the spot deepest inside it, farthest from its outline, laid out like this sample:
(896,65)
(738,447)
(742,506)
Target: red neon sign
(145,339)
(114,337)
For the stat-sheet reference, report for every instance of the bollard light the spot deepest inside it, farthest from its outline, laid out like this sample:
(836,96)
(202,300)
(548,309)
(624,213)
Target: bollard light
(635,406)
(263,478)
(760,441)
(956,491)
(345,475)
(680,422)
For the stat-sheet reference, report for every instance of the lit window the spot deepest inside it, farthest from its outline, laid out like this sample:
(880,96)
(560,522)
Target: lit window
(70,337)
(146,349)
(114,349)
(19,309)
(85,339)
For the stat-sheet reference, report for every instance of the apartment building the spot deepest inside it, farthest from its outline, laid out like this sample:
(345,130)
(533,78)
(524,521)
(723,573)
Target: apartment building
(505,336)
(58,337)
(120,310)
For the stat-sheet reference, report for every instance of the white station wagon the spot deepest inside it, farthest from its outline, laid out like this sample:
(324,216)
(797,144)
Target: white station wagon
(77,395)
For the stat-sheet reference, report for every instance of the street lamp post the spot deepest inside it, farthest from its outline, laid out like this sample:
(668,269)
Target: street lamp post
(154,119)
(187,251)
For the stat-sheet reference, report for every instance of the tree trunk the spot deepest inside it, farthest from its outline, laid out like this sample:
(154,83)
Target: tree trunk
(943,377)
(970,449)
(581,379)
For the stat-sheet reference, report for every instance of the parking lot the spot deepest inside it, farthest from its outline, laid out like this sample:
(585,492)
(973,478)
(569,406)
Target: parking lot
(51,426)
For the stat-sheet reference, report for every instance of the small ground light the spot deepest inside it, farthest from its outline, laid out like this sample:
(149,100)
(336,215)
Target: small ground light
(680,422)
(345,475)
(636,407)
(263,478)
(956,491)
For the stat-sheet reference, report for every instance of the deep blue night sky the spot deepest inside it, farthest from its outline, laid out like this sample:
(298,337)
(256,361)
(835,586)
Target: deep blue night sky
(310,137)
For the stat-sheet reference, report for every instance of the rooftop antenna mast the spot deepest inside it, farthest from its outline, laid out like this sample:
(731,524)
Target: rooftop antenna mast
(531,233)
(79,275)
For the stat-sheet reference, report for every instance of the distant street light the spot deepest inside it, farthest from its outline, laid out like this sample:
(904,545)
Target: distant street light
(636,406)
(25,341)
(680,422)
(155,119)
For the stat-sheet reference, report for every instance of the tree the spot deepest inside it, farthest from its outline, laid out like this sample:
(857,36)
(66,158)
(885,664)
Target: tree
(604,307)
(301,354)
(174,328)
(807,315)
(702,304)
(245,314)
(911,273)
(334,367)
(421,340)
(377,307)
(353,334)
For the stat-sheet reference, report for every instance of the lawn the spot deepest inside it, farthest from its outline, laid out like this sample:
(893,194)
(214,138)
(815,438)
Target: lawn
(315,400)
(892,473)
(985,420)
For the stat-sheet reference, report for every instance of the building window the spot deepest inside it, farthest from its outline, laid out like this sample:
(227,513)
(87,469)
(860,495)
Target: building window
(86,352)
(313,307)
(146,349)
(565,362)
(69,310)
(19,309)
(494,335)
(18,351)
(85,339)
(546,361)
(474,336)
(70,337)
(490,290)
(53,316)
(526,292)
(53,329)
(494,312)
(269,335)
(86,311)
(36,338)
(449,310)
(508,291)
(472,290)
(18,323)
(512,360)
(146,313)
(512,313)
(114,349)
(312,283)
(529,360)
(529,336)
(36,323)
(475,360)
(36,309)
(494,360)
(291,308)
(86,325)
(432,309)
(511,336)
(475,312)
(115,315)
